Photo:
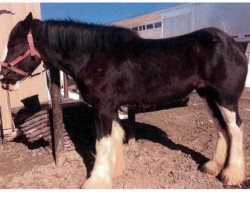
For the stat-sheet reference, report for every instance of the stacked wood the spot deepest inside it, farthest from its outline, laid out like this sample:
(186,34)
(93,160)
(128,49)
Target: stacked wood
(39,126)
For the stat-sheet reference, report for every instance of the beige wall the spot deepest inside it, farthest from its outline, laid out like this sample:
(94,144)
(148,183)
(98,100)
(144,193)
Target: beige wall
(139,20)
(144,20)
(31,86)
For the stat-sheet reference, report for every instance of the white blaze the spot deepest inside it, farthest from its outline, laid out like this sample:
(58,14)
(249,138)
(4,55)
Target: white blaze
(5,50)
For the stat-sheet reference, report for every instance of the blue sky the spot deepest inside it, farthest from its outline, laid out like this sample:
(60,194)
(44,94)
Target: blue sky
(101,13)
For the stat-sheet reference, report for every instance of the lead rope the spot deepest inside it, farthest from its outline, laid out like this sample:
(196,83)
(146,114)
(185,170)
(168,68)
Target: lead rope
(8,97)
(36,74)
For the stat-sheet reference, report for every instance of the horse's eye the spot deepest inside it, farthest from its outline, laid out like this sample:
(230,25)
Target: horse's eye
(22,54)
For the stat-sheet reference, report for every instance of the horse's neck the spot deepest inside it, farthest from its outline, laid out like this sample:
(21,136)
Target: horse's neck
(54,59)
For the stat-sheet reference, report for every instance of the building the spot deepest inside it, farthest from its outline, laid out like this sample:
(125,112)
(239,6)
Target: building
(229,17)
(147,26)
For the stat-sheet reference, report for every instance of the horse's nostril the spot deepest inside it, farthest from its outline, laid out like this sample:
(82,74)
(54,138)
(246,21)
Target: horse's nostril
(5,86)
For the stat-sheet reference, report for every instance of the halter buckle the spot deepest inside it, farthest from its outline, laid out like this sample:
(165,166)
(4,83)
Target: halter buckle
(9,66)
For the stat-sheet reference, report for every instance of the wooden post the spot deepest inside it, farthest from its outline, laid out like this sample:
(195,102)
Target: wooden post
(57,117)
(65,86)
(1,127)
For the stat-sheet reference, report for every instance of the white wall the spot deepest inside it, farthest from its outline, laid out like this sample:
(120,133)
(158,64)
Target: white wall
(248,77)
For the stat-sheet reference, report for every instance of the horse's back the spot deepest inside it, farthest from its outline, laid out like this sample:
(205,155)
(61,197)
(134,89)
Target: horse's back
(168,69)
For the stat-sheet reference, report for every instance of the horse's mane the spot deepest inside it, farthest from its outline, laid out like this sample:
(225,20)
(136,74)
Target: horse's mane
(68,34)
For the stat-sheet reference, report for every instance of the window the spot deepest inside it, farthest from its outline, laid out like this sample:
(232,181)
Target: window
(135,28)
(141,28)
(157,24)
(150,26)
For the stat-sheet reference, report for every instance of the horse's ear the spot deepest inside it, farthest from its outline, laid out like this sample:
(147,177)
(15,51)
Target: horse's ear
(27,21)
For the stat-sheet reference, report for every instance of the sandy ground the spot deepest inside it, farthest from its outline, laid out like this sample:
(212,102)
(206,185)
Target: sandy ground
(171,145)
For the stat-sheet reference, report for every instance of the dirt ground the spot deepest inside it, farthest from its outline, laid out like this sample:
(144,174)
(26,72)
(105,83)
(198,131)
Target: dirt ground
(171,145)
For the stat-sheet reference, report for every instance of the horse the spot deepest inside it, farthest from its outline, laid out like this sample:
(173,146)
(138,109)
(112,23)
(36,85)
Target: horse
(113,66)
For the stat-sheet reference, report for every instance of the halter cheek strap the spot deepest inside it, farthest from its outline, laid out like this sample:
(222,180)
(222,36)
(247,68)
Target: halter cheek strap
(31,51)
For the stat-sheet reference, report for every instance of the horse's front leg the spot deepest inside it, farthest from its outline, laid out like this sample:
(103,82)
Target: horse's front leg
(109,161)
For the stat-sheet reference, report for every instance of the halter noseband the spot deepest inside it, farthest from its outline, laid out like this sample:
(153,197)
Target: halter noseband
(31,51)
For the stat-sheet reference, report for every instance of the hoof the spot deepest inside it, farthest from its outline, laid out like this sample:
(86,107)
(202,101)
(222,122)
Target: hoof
(231,176)
(94,183)
(211,167)
(132,142)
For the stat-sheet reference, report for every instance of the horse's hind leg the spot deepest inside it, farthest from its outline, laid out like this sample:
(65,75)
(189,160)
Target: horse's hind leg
(229,150)
(216,164)
(109,161)
(234,172)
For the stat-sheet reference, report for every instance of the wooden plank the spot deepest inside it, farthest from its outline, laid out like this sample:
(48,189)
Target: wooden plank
(57,117)
(10,14)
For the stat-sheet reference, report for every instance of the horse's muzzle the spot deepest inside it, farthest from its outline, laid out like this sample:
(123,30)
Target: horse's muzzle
(6,84)
(11,87)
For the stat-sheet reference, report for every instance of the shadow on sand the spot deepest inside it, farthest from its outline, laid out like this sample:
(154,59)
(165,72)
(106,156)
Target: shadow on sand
(79,123)
(143,131)
(156,135)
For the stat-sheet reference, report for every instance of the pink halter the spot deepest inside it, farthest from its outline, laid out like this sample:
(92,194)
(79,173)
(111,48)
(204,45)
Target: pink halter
(31,51)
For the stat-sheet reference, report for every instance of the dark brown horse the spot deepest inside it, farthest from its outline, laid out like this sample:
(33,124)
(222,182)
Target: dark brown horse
(113,66)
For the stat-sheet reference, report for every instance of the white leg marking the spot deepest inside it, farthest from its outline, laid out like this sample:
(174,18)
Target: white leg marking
(234,173)
(216,164)
(104,164)
(109,159)
(118,137)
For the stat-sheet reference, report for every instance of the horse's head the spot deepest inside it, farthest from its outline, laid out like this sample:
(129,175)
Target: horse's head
(21,56)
